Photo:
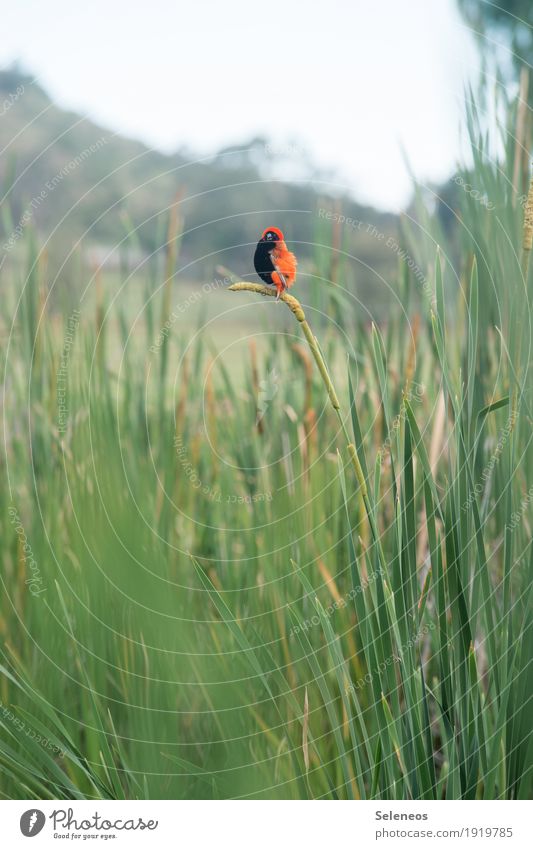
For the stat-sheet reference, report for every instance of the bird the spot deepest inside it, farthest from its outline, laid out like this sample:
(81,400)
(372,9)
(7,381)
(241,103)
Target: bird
(274,262)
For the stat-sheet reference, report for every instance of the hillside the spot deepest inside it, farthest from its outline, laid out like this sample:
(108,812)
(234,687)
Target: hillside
(70,179)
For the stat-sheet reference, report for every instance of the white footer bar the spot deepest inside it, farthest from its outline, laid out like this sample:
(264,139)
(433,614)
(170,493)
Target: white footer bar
(267,824)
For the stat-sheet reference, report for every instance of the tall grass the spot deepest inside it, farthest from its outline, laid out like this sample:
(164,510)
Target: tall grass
(196,606)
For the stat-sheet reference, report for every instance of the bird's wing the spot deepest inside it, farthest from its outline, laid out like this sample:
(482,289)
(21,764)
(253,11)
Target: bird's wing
(285,264)
(280,274)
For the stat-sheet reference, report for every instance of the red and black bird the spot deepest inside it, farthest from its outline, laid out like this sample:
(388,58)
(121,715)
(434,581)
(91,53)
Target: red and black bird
(274,263)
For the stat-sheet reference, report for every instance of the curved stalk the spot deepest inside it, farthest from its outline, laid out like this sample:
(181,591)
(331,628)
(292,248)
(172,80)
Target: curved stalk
(296,308)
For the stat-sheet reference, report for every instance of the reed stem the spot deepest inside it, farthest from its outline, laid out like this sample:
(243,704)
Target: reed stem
(296,308)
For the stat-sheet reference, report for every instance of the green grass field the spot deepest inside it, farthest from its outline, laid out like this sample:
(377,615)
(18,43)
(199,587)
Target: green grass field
(205,592)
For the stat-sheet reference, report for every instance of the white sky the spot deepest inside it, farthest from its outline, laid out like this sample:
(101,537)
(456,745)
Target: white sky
(351,81)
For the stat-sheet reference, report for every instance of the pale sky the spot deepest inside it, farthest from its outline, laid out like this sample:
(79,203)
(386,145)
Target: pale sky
(353,82)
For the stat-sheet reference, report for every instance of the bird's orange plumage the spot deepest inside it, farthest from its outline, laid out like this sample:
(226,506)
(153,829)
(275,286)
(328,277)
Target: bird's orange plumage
(286,263)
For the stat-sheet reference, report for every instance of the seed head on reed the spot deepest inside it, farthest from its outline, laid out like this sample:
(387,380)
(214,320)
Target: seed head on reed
(528,220)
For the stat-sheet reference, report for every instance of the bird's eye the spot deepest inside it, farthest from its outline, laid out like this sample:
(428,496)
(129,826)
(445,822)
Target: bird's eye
(269,235)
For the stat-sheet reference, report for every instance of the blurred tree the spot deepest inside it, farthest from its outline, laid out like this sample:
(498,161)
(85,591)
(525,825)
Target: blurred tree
(511,19)
(509,22)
